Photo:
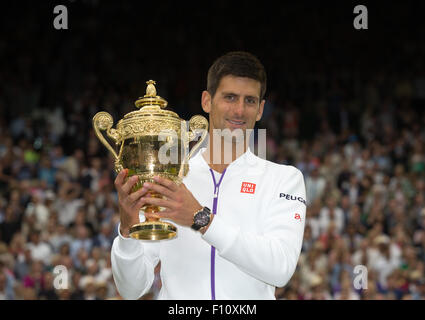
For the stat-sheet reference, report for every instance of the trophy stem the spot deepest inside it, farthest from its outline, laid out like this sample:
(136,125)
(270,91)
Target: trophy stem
(153,228)
(151,210)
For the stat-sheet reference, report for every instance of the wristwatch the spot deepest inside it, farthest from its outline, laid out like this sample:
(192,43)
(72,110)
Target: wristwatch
(201,218)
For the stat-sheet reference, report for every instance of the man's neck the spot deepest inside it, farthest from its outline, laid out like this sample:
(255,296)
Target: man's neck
(219,158)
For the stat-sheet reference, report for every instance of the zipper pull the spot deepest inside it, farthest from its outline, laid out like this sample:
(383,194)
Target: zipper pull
(216,193)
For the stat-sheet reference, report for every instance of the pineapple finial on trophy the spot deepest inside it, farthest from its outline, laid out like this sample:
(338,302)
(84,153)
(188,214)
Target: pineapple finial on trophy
(150,99)
(151,90)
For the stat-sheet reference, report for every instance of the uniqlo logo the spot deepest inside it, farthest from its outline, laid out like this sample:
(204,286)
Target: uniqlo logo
(248,187)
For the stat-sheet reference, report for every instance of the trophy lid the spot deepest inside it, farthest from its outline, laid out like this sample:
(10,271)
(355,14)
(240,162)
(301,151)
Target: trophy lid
(151,104)
(150,99)
(151,118)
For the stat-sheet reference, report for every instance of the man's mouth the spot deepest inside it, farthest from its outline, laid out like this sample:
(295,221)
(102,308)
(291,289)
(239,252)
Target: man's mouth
(236,122)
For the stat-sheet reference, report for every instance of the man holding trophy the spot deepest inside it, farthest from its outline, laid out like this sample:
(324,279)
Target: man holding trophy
(234,222)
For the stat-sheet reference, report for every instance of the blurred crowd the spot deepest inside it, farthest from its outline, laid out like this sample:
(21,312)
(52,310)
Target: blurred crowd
(355,129)
(366,203)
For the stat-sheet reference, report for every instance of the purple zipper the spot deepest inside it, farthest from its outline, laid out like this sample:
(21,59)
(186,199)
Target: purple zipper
(214,211)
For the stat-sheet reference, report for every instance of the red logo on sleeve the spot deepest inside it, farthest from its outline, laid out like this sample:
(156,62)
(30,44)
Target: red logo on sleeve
(297,216)
(248,187)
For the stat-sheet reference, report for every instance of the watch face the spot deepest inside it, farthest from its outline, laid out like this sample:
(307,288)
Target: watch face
(202,218)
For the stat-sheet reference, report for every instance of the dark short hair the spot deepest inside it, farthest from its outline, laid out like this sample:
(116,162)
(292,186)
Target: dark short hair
(238,64)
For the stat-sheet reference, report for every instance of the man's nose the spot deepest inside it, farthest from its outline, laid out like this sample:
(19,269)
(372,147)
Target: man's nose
(239,108)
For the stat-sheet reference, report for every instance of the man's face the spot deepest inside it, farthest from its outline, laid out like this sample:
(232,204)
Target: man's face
(235,105)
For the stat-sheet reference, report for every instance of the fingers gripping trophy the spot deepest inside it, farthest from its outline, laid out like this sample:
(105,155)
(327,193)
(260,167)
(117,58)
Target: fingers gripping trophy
(151,142)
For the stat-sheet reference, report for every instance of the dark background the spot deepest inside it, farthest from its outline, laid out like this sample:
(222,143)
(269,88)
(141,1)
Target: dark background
(311,52)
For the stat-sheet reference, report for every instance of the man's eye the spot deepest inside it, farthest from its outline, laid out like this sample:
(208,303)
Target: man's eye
(230,98)
(251,100)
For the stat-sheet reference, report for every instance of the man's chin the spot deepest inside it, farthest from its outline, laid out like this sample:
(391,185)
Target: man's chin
(234,139)
(234,135)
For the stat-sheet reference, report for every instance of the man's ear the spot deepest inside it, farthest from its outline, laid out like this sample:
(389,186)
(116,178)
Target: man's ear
(260,110)
(206,101)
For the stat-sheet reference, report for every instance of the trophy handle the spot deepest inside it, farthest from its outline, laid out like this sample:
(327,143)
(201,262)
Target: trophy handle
(103,121)
(197,123)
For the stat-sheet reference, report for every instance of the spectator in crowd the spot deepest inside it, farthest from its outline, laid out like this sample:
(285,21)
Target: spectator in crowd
(331,214)
(315,186)
(82,241)
(40,250)
(7,283)
(48,292)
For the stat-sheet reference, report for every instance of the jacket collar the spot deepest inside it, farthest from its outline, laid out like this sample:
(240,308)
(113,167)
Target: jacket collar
(247,159)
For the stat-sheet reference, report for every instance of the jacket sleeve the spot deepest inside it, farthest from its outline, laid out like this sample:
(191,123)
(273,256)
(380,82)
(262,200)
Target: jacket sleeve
(133,263)
(272,253)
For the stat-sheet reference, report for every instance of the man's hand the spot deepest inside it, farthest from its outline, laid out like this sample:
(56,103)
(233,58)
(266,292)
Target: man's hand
(179,203)
(129,203)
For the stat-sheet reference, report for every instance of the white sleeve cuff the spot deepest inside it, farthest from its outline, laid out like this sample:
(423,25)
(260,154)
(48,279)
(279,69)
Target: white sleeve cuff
(220,234)
(128,247)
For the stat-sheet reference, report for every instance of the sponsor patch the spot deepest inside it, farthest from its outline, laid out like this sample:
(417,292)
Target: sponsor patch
(248,187)
(291,197)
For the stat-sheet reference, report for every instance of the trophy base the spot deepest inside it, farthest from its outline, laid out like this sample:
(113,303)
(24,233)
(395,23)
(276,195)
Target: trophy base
(153,230)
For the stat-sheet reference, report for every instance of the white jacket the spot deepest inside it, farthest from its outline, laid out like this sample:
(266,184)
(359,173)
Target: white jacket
(251,246)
